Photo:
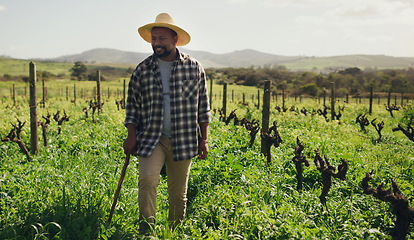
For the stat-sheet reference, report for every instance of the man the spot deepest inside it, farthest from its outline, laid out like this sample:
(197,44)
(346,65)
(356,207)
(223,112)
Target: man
(167,117)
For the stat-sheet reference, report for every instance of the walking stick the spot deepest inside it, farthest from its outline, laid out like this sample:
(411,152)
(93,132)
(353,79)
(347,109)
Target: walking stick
(121,179)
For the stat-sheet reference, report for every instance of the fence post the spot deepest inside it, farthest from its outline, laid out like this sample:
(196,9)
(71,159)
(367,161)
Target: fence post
(333,101)
(211,93)
(14,95)
(283,98)
(34,143)
(265,115)
(124,92)
(224,100)
(74,94)
(371,96)
(43,91)
(98,89)
(389,98)
(324,98)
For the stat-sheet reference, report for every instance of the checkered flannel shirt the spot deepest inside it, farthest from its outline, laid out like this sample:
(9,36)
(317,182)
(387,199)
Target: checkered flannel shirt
(189,105)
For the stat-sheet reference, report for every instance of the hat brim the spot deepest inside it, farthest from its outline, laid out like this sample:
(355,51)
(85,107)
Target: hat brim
(183,37)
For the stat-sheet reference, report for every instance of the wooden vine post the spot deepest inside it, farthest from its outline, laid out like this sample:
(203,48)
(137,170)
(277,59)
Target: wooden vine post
(74,94)
(98,90)
(14,95)
(44,93)
(34,142)
(371,96)
(224,100)
(333,101)
(389,98)
(124,93)
(211,93)
(265,115)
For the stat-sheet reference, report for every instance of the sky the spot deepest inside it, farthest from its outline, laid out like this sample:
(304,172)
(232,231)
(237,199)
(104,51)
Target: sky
(53,28)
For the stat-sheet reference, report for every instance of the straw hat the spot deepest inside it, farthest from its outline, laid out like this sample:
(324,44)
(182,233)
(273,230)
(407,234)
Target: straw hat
(164,20)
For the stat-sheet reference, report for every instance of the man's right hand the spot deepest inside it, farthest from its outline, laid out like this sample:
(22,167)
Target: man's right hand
(130,142)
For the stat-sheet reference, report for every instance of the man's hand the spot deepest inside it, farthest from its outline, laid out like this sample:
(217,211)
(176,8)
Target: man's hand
(130,142)
(203,144)
(202,149)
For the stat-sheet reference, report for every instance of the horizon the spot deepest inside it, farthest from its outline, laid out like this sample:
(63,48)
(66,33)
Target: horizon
(312,28)
(186,49)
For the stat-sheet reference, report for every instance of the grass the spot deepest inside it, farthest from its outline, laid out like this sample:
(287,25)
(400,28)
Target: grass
(67,191)
(18,67)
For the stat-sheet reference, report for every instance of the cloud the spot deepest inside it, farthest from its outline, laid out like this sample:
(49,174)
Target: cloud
(2,8)
(236,1)
(368,8)
(356,13)
(353,35)
(316,20)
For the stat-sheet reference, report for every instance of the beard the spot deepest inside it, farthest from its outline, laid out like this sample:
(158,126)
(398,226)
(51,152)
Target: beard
(164,53)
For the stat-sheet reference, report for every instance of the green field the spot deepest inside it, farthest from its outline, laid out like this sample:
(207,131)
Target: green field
(67,190)
(16,67)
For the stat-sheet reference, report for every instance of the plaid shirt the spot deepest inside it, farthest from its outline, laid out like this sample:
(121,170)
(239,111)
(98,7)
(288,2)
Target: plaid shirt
(189,105)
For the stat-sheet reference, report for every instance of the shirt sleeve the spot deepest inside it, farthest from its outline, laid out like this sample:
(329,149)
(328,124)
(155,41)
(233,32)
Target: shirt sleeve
(204,114)
(132,102)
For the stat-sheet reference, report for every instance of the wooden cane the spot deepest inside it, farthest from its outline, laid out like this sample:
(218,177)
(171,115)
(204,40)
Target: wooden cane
(121,179)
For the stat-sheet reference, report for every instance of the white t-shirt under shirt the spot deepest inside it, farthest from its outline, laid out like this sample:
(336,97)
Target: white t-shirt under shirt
(165,69)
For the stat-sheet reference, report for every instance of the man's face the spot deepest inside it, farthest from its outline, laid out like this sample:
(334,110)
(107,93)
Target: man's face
(163,41)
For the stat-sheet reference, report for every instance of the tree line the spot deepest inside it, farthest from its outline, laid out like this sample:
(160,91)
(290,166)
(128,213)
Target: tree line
(353,81)
(78,72)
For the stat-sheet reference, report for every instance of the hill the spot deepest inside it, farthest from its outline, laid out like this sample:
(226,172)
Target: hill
(248,58)
(103,55)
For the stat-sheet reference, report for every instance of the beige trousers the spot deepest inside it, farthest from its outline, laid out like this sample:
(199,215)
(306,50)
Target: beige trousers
(177,180)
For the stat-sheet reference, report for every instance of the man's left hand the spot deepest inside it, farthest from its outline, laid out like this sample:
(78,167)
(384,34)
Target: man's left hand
(202,149)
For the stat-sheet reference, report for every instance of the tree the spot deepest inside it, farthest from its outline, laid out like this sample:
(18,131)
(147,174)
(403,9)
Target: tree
(130,70)
(310,89)
(351,71)
(78,70)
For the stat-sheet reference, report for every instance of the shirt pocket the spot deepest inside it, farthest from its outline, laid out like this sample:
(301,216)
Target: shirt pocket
(190,89)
